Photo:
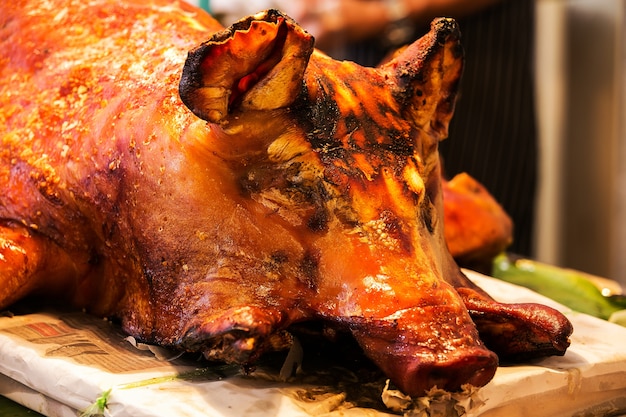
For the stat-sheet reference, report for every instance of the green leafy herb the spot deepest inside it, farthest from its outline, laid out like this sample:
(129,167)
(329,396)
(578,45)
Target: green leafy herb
(98,407)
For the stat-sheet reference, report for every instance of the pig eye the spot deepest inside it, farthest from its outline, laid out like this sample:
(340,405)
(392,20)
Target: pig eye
(428,214)
(318,222)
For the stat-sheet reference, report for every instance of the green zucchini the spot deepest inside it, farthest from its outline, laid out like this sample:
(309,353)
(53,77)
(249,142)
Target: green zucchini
(569,287)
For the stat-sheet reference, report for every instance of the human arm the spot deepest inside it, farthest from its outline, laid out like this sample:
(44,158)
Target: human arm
(354,20)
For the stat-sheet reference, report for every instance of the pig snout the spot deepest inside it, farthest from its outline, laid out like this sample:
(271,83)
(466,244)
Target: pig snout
(416,374)
(446,354)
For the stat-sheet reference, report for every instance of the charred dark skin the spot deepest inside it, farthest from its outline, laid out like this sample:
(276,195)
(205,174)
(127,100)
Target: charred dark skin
(211,188)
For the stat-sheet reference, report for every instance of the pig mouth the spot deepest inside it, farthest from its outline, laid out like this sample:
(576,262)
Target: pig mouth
(414,367)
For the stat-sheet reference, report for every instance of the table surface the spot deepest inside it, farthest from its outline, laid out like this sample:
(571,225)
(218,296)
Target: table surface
(9,408)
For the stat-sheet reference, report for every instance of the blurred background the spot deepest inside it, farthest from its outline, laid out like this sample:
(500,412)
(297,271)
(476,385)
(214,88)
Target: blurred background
(581,107)
(579,70)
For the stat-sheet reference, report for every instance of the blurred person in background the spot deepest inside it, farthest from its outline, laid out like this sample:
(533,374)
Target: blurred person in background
(493,134)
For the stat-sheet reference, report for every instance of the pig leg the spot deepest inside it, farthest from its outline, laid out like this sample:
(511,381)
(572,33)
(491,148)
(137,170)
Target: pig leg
(514,331)
(237,335)
(238,312)
(28,262)
(518,331)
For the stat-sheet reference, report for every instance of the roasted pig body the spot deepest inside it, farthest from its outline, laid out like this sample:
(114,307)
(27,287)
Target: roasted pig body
(211,187)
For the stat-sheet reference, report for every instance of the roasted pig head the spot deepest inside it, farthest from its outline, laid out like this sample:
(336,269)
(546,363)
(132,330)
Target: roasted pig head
(268,185)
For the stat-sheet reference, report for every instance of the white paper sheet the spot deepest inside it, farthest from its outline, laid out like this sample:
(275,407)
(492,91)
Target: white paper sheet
(60,365)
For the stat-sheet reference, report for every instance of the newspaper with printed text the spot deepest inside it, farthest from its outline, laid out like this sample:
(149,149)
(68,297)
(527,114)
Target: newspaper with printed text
(65,364)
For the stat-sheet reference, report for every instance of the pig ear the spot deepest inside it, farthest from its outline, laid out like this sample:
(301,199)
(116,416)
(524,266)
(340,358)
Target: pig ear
(427,75)
(258,63)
